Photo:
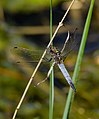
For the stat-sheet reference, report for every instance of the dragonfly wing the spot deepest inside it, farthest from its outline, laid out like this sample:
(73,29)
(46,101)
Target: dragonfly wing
(71,44)
(66,75)
(29,55)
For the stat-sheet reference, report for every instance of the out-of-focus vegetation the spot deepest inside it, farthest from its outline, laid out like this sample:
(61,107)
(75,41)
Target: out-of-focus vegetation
(26,5)
(14,77)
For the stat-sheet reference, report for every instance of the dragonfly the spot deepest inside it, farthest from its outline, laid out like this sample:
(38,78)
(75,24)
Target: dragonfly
(57,57)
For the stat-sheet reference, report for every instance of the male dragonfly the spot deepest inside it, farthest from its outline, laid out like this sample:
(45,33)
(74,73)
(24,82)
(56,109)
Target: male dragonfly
(58,58)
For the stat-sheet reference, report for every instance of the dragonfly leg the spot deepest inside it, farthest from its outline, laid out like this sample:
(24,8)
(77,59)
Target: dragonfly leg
(48,60)
(65,42)
(47,75)
(70,36)
(41,82)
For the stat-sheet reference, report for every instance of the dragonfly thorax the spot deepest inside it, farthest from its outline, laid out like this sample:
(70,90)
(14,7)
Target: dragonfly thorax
(56,55)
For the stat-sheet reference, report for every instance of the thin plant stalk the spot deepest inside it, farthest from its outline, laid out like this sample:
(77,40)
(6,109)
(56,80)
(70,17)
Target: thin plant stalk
(40,61)
(51,94)
(79,59)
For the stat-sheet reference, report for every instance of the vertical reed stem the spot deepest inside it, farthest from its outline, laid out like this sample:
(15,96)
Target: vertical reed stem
(51,95)
(78,62)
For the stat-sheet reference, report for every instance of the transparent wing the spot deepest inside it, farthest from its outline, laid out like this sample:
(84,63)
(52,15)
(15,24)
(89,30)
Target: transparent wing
(29,58)
(29,55)
(71,44)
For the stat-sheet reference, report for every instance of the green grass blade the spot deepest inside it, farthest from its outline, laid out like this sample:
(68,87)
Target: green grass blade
(51,96)
(79,59)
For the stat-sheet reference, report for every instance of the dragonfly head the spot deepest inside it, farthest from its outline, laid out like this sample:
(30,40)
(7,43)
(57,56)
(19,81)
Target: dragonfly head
(54,49)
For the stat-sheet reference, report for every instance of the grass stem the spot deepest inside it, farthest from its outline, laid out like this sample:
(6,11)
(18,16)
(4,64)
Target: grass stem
(78,62)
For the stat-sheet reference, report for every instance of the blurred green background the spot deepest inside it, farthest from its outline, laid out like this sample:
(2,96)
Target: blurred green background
(25,23)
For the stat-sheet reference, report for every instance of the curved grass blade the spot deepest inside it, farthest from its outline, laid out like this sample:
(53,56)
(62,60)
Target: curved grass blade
(51,95)
(79,59)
